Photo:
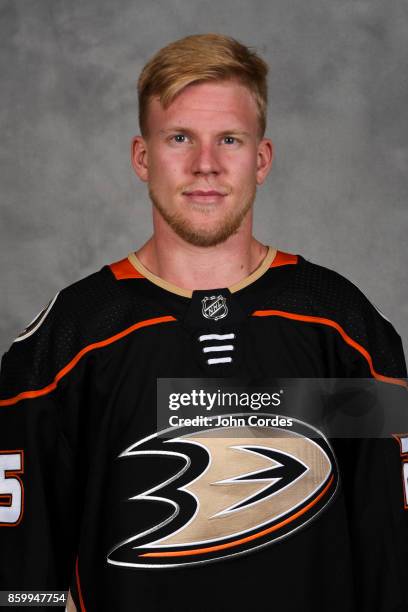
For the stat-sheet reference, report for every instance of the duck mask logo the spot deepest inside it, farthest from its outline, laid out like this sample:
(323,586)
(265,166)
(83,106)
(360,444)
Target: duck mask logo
(222,492)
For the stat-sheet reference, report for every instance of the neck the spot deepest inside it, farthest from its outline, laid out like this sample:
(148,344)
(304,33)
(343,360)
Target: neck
(192,267)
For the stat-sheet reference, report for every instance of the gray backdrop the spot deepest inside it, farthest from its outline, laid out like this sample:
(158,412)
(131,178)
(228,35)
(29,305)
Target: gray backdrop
(338,117)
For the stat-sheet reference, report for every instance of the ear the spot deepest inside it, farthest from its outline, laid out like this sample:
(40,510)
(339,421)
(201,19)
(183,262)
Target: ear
(139,157)
(265,157)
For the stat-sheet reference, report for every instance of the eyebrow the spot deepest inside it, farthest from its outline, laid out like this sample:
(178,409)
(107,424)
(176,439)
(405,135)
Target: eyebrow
(178,128)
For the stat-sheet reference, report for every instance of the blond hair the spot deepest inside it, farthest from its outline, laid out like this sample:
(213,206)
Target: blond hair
(201,58)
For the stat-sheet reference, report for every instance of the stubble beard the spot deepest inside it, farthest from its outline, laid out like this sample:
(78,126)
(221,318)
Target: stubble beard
(202,237)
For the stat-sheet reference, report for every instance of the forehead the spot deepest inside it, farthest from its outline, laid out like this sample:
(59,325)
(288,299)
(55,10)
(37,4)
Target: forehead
(215,102)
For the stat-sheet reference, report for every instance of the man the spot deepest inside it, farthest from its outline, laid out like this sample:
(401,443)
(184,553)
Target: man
(96,495)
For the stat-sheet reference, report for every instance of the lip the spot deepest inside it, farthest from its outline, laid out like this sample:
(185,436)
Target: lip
(200,192)
(199,195)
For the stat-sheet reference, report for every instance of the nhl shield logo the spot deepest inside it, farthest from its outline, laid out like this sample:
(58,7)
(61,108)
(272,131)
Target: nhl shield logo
(214,307)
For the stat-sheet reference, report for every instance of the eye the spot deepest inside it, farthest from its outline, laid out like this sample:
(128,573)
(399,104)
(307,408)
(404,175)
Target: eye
(179,138)
(230,139)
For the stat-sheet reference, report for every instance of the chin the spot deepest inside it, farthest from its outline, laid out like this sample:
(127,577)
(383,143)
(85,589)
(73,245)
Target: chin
(208,238)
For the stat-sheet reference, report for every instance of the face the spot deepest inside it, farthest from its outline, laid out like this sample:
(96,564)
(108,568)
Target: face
(203,160)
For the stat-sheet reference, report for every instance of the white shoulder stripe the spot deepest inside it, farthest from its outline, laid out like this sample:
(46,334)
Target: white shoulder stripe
(381,313)
(36,322)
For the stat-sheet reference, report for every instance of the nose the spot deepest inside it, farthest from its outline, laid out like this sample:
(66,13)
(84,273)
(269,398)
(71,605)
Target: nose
(206,159)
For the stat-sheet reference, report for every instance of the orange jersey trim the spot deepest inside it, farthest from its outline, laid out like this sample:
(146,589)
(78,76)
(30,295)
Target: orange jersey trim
(344,335)
(201,551)
(124,269)
(84,351)
(283,259)
(81,600)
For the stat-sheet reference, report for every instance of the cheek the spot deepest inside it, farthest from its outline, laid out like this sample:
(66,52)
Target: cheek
(244,170)
(165,170)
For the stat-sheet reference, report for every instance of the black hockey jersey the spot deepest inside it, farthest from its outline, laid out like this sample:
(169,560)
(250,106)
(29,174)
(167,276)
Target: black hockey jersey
(98,496)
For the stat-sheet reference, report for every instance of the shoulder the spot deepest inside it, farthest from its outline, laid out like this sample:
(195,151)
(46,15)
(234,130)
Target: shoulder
(95,307)
(84,315)
(327,288)
(332,294)
(337,302)
(99,305)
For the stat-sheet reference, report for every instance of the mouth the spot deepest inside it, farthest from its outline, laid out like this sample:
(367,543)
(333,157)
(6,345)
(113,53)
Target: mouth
(200,195)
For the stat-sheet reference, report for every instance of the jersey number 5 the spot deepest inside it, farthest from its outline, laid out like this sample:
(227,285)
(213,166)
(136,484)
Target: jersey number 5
(11,487)
(402,440)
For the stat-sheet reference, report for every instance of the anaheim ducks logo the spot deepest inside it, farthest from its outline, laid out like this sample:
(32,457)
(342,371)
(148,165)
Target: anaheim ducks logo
(223,492)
